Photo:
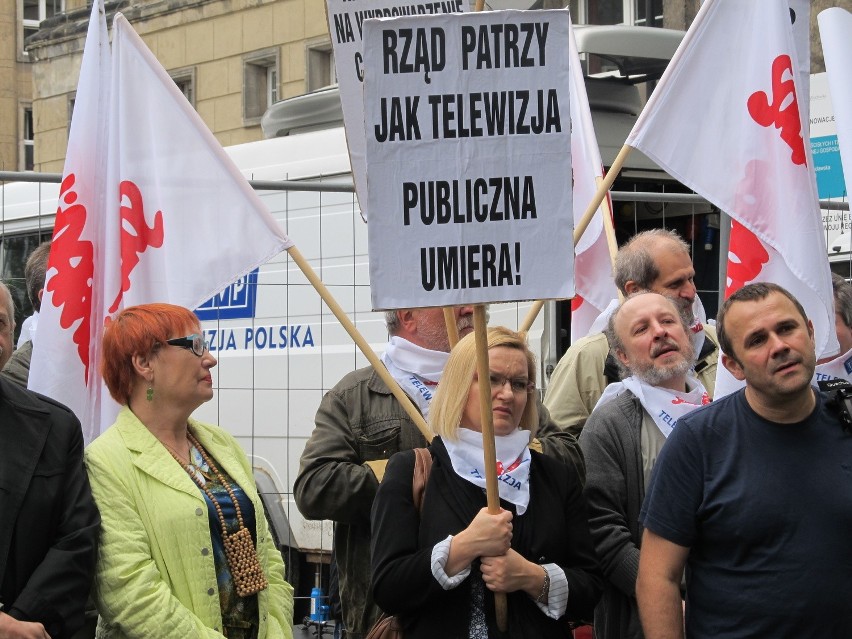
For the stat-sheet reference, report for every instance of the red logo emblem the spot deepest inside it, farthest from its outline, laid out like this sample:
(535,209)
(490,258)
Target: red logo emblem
(746,257)
(782,111)
(136,235)
(72,258)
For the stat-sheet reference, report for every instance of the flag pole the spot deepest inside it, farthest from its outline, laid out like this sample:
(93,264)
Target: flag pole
(608,226)
(609,229)
(452,326)
(492,495)
(359,340)
(603,187)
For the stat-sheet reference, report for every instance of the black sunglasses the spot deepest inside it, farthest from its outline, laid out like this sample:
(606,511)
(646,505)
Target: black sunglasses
(196,343)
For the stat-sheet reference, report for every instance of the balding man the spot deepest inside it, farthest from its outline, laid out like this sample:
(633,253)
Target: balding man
(658,261)
(650,339)
(360,424)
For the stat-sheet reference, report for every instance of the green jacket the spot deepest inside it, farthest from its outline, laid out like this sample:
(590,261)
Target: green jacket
(154,578)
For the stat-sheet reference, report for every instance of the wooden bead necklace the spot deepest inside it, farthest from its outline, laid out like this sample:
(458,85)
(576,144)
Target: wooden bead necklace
(239,548)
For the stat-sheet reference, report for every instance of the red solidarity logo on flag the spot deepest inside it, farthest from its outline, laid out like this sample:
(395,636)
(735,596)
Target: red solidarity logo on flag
(783,111)
(142,236)
(750,255)
(73,258)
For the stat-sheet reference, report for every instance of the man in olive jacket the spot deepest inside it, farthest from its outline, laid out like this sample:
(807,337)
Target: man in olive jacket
(360,424)
(48,521)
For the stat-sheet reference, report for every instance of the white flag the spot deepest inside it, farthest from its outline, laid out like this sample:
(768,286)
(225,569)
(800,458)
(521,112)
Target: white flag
(593,281)
(835,27)
(64,363)
(725,121)
(180,221)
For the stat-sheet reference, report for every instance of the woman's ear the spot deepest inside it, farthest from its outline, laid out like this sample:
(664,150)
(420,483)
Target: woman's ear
(143,365)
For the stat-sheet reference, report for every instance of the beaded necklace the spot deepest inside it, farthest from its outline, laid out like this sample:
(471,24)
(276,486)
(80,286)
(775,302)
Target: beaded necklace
(239,548)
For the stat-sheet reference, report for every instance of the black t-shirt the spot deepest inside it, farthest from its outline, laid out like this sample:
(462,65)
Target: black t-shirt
(766,510)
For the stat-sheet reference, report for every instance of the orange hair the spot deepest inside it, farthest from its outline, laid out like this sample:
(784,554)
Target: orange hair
(139,330)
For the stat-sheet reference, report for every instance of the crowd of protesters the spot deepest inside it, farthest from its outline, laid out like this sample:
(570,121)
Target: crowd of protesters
(628,499)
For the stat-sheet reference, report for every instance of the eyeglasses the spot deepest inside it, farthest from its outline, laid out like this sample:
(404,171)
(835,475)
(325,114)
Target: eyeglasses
(196,343)
(519,385)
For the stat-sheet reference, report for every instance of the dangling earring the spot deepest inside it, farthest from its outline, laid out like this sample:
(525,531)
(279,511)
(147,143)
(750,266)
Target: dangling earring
(149,394)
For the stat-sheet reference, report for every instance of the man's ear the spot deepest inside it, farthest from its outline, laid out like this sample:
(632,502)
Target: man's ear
(733,367)
(631,287)
(622,357)
(407,320)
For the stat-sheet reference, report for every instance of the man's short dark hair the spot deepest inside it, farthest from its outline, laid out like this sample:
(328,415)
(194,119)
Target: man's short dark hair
(635,260)
(749,293)
(35,271)
(842,298)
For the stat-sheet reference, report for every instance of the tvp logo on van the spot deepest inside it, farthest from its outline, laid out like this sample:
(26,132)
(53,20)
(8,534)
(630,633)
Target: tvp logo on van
(239,302)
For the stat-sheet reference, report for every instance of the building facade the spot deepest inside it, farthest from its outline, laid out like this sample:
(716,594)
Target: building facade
(231,58)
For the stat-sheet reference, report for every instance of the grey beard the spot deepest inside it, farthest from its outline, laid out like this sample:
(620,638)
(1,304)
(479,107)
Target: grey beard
(657,375)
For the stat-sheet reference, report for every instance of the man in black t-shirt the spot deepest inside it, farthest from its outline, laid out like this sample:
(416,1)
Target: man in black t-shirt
(753,493)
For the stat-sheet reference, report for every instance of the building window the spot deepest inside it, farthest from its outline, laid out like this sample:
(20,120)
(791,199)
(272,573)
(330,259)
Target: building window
(72,100)
(27,155)
(260,83)
(185,81)
(616,11)
(33,12)
(320,71)
(656,9)
(271,85)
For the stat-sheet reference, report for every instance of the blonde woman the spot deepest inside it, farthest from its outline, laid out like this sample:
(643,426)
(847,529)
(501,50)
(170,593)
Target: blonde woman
(437,569)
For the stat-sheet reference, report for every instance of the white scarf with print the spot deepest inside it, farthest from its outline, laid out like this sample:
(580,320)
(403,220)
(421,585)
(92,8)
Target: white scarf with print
(663,405)
(838,368)
(513,463)
(416,369)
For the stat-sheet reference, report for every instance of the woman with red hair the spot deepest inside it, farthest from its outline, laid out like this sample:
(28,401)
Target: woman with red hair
(185,549)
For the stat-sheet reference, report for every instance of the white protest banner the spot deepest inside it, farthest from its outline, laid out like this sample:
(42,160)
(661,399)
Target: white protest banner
(346,26)
(468,155)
